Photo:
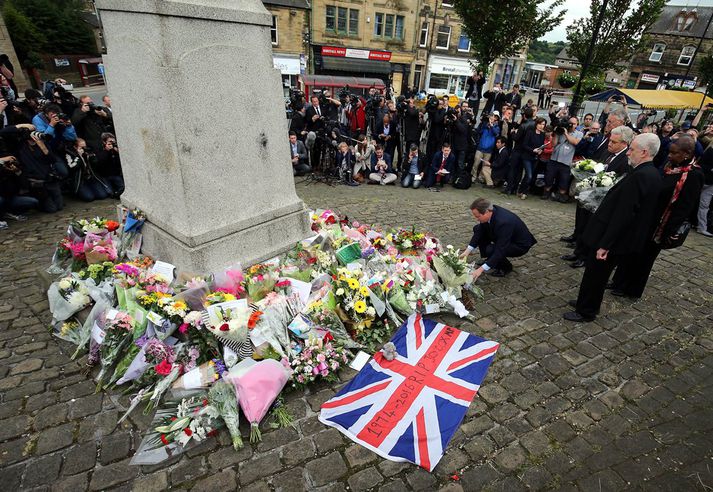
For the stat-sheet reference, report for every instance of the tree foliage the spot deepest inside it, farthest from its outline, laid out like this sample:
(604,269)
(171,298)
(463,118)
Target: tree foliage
(501,28)
(541,51)
(621,33)
(48,26)
(705,68)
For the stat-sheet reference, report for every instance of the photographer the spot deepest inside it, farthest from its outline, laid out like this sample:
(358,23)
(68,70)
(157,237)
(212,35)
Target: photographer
(533,143)
(461,124)
(109,165)
(436,110)
(12,204)
(357,117)
(329,105)
(31,105)
(591,141)
(39,170)
(51,121)
(344,161)
(387,135)
(517,157)
(85,183)
(488,131)
(513,98)
(412,119)
(297,123)
(475,85)
(558,168)
(90,121)
(363,152)
(494,99)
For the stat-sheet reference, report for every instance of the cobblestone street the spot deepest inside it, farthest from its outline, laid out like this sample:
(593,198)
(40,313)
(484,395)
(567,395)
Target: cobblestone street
(625,402)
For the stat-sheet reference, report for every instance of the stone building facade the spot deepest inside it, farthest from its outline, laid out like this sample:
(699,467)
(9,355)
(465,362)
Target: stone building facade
(6,47)
(290,38)
(672,56)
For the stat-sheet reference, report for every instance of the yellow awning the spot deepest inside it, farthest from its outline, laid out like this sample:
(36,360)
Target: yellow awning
(666,99)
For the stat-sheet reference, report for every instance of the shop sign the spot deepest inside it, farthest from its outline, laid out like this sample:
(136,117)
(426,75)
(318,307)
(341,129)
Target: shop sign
(356,53)
(651,79)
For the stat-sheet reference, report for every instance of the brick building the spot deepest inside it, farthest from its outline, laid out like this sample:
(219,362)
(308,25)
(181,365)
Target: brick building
(670,58)
(290,38)
(362,38)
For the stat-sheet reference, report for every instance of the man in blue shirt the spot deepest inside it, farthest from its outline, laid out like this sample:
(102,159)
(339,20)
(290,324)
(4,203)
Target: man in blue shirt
(49,122)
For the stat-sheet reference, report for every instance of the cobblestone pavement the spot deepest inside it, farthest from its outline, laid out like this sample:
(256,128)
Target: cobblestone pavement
(624,402)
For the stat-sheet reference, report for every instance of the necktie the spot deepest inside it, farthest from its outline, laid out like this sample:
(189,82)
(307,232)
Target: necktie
(318,112)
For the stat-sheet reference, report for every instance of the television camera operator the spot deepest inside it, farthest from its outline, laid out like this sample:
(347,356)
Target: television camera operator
(460,125)
(412,122)
(436,110)
(322,111)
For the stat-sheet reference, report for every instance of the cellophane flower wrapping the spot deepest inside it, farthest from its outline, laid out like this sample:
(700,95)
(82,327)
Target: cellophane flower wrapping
(452,271)
(258,387)
(96,315)
(272,324)
(317,360)
(224,398)
(230,281)
(66,297)
(151,352)
(118,335)
(99,248)
(198,378)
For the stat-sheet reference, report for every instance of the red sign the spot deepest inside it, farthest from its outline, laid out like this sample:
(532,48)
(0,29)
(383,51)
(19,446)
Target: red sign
(356,53)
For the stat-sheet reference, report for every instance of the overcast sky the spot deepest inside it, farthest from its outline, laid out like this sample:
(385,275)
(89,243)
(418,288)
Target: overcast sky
(580,8)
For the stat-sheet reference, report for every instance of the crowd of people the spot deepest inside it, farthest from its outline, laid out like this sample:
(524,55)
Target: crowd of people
(507,144)
(53,144)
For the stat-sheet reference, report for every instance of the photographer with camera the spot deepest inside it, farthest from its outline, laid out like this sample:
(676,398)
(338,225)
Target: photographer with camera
(436,110)
(591,140)
(475,85)
(344,161)
(363,152)
(488,131)
(85,183)
(12,204)
(31,105)
(518,156)
(387,135)
(412,123)
(52,121)
(322,110)
(461,124)
(357,117)
(109,165)
(558,168)
(413,169)
(494,99)
(90,121)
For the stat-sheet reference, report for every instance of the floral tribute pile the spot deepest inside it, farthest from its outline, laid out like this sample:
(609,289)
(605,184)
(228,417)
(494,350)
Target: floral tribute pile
(198,349)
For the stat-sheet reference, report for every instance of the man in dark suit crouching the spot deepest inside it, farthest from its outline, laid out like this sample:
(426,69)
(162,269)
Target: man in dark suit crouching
(498,235)
(619,227)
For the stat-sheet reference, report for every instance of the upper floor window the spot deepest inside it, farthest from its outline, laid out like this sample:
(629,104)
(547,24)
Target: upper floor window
(657,52)
(423,38)
(342,20)
(686,55)
(689,22)
(443,41)
(464,43)
(388,26)
(273,29)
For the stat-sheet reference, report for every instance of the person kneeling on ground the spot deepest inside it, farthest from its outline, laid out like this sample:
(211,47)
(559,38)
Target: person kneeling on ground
(381,170)
(441,167)
(85,183)
(109,165)
(413,168)
(300,167)
(498,235)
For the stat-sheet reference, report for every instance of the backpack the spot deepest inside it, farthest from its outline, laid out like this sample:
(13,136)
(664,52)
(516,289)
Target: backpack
(463,181)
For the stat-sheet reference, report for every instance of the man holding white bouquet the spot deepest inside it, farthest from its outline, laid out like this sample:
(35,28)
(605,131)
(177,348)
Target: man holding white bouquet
(498,235)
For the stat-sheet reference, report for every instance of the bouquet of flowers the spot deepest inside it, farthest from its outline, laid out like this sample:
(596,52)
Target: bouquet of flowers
(97,225)
(586,168)
(130,239)
(230,281)
(154,360)
(260,280)
(153,282)
(224,398)
(327,320)
(200,377)
(67,297)
(118,334)
(99,248)
(318,359)
(217,298)
(177,427)
(98,272)
(591,191)
(69,330)
(353,298)
(452,270)
(408,242)
(230,320)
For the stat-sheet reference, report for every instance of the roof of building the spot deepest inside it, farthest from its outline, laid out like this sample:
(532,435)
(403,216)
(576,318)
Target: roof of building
(563,55)
(295,4)
(91,19)
(667,22)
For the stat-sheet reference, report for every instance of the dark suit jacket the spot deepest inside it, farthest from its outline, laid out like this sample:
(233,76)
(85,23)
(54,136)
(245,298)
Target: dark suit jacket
(313,125)
(436,162)
(622,222)
(387,158)
(619,165)
(301,151)
(513,100)
(685,207)
(500,163)
(586,148)
(393,133)
(506,229)
(406,164)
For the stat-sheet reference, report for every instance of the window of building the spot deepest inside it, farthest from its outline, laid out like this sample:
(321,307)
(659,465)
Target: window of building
(353,22)
(686,55)
(443,41)
(689,22)
(330,18)
(273,29)
(679,22)
(423,39)
(438,81)
(464,43)
(417,71)
(379,24)
(657,52)
(342,20)
(388,26)
(447,3)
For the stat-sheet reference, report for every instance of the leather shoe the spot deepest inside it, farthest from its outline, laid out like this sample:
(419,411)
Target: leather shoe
(572,303)
(577,264)
(569,257)
(619,293)
(570,245)
(497,272)
(575,316)
(568,239)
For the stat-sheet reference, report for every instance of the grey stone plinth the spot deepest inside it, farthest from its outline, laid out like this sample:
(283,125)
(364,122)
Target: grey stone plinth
(201,129)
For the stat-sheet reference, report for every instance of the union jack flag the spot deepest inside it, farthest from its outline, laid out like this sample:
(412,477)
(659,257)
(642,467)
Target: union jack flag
(407,409)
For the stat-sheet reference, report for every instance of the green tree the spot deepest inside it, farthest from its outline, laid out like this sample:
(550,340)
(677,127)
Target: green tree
(541,51)
(26,38)
(622,32)
(501,28)
(705,68)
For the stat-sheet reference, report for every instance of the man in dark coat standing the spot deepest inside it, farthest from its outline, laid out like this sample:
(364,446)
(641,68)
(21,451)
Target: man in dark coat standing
(412,125)
(498,235)
(619,227)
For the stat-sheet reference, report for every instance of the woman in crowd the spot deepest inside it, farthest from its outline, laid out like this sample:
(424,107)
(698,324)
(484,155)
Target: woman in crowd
(665,133)
(533,144)
(363,152)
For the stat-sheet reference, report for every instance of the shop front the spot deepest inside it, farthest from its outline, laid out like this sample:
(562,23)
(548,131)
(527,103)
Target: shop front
(351,62)
(447,75)
(290,66)
(652,80)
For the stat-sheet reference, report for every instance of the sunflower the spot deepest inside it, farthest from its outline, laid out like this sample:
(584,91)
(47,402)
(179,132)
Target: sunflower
(353,283)
(360,307)
(364,291)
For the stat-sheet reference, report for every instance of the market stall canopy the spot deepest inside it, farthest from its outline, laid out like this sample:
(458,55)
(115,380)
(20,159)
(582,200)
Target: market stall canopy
(656,99)
(335,81)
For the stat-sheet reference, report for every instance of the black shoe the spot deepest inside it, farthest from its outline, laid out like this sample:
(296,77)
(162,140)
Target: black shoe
(572,303)
(545,196)
(568,239)
(620,293)
(575,316)
(577,264)
(609,285)
(569,257)
(570,245)
(497,272)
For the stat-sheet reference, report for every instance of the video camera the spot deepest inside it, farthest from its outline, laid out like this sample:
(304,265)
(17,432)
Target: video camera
(297,99)
(432,103)
(94,107)
(561,126)
(401,104)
